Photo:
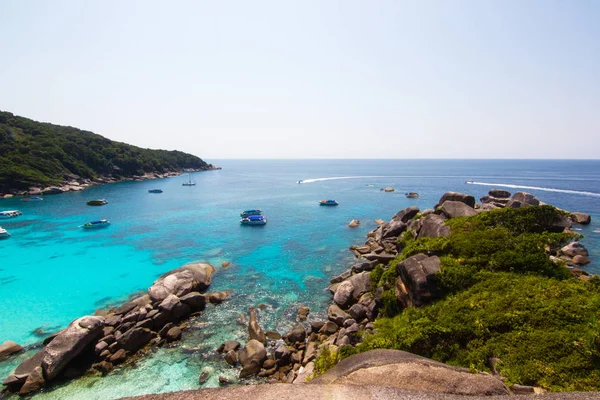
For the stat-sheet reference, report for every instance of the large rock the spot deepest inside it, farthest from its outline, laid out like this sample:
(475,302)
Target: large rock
(343,294)
(34,382)
(433,226)
(254,329)
(337,315)
(297,334)
(499,193)
(134,339)
(52,190)
(455,196)
(416,283)
(406,215)
(7,348)
(402,370)
(574,249)
(522,199)
(195,300)
(454,209)
(181,281)
(70,343)
(581,218)
(361,283)
(253,352)
(394,229)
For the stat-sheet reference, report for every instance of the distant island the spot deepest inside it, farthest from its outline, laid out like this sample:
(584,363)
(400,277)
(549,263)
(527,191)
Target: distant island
(36,155)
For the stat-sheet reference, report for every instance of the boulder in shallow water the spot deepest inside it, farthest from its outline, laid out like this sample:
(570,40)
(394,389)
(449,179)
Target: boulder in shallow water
(70,343)
(9,347)
(580,218)
(181,281)
(253,352)
(34,382)
(254,329)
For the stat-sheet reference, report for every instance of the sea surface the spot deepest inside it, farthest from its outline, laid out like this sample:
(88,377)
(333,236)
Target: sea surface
(52,272)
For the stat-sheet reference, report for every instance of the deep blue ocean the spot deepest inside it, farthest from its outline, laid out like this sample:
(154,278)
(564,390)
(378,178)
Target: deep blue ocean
(52,272)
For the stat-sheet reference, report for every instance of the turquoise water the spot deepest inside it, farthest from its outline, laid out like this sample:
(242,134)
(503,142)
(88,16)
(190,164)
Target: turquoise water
(52,272)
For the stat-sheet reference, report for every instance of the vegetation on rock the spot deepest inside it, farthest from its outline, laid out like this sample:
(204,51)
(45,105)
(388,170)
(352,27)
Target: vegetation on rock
(40,154)
(501,297)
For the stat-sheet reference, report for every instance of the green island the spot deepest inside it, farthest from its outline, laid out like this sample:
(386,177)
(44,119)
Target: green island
(502,306)
(42,154)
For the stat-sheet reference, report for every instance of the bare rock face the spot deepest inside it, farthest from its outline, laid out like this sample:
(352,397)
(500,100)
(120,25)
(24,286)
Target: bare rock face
(406,214)
(455,196)
(70,343)
(7,348)
(402,370)
(454,209)
(581,218)
(433,226)
(181,281)
(416,284)
(343,294)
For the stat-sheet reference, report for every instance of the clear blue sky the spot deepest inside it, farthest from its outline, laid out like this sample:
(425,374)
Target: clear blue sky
(304,79)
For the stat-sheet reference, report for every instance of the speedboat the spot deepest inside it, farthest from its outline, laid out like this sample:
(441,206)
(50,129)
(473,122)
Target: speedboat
(10,214)
(328,203)
(4,233)
(102,223)
(247,213)
(412,195)
(32,198)
(254,220)
(155,191)
(300,181)
(99,202)
(469,182)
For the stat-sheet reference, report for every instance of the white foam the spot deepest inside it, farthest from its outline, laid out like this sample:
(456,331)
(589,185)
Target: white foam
(508,185)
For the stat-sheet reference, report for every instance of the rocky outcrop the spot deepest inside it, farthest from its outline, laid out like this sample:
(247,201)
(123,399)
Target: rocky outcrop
(8,348)
(402,370)
(416,284)
(499,193)
(102,341)
(523,199)
(184,280)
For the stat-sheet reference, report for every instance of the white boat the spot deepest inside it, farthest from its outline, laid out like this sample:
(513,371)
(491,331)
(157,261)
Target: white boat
(189,182)
(4,233)
(10,214)
(102,223)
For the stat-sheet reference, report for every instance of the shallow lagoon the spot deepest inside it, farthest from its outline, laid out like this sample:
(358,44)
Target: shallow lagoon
(52,272)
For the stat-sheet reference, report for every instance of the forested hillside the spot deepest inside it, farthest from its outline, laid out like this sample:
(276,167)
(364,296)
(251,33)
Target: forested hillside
(39,154)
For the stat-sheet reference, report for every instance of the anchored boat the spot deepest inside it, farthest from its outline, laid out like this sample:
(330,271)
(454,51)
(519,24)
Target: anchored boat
(102,223)
(328,203)
(247,213)
(190,182)
(32,198)
(10,214)
(4,233)
(254,220)
(98,202)
(155,191)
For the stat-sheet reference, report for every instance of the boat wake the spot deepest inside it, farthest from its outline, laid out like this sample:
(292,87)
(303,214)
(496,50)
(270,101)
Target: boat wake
(507,185)
(335,178)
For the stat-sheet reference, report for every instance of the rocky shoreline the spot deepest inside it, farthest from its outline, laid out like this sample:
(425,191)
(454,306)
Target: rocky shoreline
(74,183)
(290,357)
